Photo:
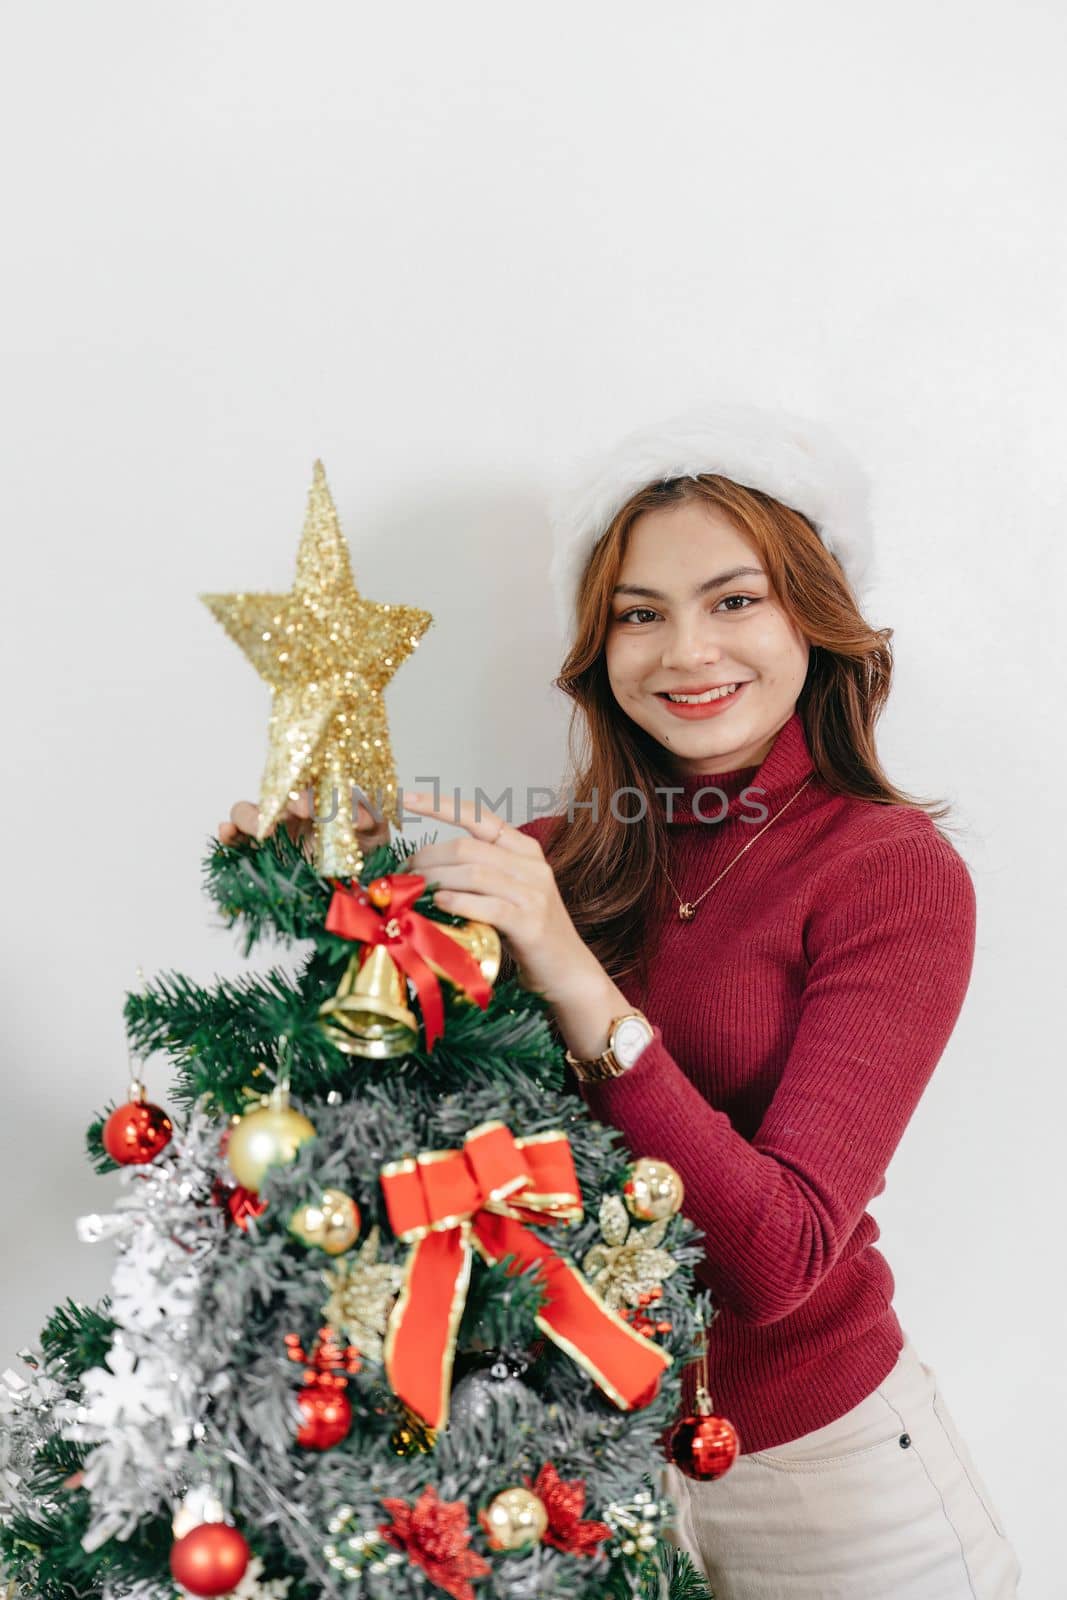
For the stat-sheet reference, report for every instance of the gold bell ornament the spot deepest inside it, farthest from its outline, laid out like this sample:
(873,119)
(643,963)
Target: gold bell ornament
(369,1016)
(482,942)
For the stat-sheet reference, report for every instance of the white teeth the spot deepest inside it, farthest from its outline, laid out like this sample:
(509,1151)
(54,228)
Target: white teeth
(702,699)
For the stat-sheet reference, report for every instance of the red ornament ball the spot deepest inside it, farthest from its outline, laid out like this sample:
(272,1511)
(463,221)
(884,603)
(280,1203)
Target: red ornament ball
(210,1559)
(380,893)
(327,1414)
(136,1133)
(703,1446)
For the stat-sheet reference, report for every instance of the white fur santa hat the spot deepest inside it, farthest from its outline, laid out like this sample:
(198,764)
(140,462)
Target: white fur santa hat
(793,458)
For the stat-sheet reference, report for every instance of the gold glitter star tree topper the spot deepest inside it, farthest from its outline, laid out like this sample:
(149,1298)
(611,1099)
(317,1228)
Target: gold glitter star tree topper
(327,654)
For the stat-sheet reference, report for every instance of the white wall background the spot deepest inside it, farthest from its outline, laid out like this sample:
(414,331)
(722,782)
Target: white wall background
(444,247)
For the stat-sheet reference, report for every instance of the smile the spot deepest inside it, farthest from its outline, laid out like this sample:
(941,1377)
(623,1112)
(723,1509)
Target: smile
(710,704)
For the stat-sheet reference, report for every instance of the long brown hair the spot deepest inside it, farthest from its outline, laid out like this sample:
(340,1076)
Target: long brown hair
(611,877)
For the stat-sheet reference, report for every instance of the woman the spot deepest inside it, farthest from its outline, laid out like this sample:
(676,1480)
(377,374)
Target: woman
(755,949)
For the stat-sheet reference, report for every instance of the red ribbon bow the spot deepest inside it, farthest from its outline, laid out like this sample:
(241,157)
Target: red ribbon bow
(411,940)
(448,1201)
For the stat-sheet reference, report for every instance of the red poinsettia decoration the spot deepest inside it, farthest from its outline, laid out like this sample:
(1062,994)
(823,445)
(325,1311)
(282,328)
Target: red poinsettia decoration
(564,1500)
(436,1535)
(238,1202)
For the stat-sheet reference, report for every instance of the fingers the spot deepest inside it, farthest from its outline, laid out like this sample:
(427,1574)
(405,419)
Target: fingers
(297,817)
(299,822)
(499,913)
(482,879)
(473,867)
(296,826)
(244,821)
(367,822)
(245,817)
(481,824)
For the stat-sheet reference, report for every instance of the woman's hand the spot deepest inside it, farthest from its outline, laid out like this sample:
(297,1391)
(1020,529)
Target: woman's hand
(244,824)
(500,876)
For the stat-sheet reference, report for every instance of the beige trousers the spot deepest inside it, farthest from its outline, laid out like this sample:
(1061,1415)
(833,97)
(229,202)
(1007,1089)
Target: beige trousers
(882,1504)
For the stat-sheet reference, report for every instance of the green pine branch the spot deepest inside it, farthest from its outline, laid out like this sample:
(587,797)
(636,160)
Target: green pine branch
(43,1551)
(224,1038)
(270,887)
(500,1308)
(683,1580)
(99,1159)
(668,1574)
(76,1337)
(57,1460)
(217,1038)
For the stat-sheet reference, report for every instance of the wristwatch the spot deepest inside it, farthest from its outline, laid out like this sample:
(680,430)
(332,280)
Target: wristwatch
(627,1037)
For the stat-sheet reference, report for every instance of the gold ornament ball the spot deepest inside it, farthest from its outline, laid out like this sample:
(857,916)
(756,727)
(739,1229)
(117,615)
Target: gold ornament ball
(653,1190)
(331,1223)
(263,1139)
(514,1519)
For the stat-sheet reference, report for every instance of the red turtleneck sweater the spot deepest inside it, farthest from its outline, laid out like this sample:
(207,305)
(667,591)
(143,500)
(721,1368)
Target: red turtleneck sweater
(798,1019)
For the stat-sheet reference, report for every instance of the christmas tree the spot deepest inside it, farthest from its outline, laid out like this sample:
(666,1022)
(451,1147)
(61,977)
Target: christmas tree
(390,1314)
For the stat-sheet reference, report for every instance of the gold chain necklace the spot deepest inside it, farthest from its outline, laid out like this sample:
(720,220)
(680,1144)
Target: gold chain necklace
(687,909)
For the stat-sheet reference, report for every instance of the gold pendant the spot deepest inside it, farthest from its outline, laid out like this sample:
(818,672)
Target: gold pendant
(686,912)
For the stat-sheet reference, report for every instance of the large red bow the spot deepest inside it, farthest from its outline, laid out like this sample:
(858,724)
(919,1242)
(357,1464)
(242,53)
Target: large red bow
(447,1201)
(411,939)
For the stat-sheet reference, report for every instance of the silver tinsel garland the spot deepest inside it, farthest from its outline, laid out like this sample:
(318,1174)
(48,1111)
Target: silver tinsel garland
(142,1410)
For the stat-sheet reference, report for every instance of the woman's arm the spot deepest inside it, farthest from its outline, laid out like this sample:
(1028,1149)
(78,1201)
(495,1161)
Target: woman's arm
(891,950)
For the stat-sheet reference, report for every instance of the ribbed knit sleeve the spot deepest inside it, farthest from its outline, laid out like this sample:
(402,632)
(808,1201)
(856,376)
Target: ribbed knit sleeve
(890,948)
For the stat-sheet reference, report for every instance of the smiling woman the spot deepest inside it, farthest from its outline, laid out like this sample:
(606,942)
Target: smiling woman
(744,596)
(757,999)
(721,653)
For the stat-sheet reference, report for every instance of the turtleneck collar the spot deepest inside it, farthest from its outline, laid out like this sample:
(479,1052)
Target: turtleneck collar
(775,779)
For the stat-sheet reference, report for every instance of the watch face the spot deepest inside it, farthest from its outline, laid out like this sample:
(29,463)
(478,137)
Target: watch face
(631,1037)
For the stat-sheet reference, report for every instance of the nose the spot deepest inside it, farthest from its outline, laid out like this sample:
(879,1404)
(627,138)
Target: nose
(689,643)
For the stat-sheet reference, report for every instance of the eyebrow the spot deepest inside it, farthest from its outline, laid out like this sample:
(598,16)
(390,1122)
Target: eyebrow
(701,588)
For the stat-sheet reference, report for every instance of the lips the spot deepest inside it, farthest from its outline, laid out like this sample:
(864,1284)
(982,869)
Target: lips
(703,689)
(710,708)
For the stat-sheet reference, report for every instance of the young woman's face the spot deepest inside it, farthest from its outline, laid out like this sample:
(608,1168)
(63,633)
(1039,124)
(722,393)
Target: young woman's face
(677,638)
